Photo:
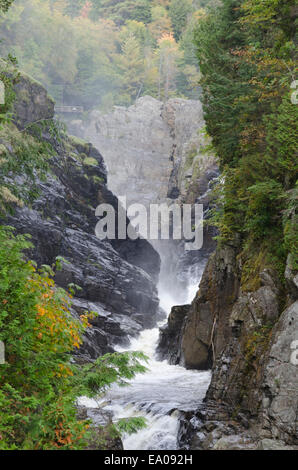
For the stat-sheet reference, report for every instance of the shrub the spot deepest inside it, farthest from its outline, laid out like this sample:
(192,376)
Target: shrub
(39,384)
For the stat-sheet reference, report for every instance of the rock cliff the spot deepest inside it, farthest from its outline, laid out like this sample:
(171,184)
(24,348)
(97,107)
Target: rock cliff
(151,148)
(248,337)
(157,153)
(117,279)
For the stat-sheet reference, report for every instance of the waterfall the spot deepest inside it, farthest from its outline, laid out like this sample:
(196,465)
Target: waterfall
(160,394)
(146,148)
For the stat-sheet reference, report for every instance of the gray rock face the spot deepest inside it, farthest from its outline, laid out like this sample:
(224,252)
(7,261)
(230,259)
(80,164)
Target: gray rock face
(234,442)
(242,340)
(203,333)
(271,444)
(33,103)
(147,147)
(291,277)
(253,348)
(169,346)
(117,278)
(154,154)
(280,386)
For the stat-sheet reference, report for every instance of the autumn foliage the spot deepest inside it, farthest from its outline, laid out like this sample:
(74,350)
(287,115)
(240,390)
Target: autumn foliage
(39,384)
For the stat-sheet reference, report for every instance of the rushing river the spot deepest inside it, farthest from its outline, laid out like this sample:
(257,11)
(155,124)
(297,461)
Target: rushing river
(159,394)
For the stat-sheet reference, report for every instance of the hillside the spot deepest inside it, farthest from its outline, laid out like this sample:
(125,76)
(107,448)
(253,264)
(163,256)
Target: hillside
(113,51)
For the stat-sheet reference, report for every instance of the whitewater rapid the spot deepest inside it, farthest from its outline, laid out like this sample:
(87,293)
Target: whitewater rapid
(158,395)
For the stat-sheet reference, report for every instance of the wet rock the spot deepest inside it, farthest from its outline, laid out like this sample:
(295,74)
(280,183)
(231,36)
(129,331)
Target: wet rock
(33,103)
(103,435)
(212,428)
(98,416)
(253,350)
(204,334)
(116,278)
(234,442)
(170,335)
(108,329)
(271,444)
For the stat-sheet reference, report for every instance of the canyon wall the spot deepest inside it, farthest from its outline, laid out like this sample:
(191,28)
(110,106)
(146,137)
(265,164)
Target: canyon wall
(153,150)
(158,153)
(247,336)
(117,279)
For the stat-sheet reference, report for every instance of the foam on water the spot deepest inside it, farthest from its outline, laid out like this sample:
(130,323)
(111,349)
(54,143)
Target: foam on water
(160,394)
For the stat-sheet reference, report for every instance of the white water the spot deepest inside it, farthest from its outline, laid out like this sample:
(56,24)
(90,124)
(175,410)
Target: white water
(158,395)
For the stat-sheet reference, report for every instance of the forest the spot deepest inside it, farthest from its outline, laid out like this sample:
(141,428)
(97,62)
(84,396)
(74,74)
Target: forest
(113,51)
(247,57)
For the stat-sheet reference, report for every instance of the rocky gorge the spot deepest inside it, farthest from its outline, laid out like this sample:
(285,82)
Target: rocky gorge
(157,153)
(116,280)
(244,331)
(248,337)
(240,328)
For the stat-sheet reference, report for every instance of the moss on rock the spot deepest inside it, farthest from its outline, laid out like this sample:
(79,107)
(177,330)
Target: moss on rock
(90,161)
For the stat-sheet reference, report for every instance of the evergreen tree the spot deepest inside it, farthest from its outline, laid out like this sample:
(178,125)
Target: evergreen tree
(74,8)
(179,11)
(89,35)
(131,65)
(246,56)
(5,4)
(122,10)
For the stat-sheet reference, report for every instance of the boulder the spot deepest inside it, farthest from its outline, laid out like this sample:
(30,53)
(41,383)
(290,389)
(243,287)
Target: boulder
(102,434)
(169,347)
(33,104)
(272,444)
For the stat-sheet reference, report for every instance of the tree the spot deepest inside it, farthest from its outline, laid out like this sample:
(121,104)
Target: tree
(39,385)
(179,11)
(73,9)
(122,10)
(167,54)
(225,78)
(246,56)
(5,5)
(161,22)
(131,66)
(89,35)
